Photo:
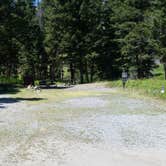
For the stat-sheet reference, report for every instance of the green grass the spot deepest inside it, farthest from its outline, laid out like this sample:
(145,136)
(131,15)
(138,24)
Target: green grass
(10,80)
(150,87)
(159,73)
(46,96)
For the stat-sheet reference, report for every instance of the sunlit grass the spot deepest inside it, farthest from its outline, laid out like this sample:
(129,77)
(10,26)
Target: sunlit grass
(150,87)
(53,95)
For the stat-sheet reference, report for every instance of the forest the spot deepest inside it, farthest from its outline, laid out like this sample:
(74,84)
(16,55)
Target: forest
(81,40)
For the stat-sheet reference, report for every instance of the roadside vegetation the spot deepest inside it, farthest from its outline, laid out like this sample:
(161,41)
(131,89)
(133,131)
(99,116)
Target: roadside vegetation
(151,87)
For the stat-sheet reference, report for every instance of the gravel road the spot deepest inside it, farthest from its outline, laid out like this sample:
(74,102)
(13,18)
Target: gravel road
(103,128)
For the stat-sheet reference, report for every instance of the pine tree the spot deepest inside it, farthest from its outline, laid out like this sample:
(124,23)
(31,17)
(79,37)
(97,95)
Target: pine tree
(8,43)
(72,31)
(138,45)
(160,31)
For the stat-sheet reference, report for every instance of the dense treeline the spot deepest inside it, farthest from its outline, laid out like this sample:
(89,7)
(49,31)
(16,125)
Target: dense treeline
(92,39)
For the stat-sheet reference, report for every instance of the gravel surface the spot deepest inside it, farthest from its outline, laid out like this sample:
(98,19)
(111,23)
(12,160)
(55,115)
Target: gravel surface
(102,129)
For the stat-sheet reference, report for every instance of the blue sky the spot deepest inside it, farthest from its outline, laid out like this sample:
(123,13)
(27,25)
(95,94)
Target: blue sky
(37,1)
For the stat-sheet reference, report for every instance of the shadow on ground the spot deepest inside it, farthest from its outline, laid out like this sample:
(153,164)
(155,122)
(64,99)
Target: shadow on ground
(8,100)
(56,87)
(2,107)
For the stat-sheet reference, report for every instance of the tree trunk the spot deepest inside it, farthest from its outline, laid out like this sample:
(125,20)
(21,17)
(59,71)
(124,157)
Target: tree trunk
(165,70)
(72,73)
(33,71)
(52,71)
(91,72)
(140,73)
(81,72)
(8,70)
(86,72)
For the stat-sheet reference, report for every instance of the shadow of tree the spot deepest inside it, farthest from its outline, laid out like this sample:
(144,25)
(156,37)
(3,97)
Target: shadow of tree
(2,107)
(56,87)
(158,74)
(8,100)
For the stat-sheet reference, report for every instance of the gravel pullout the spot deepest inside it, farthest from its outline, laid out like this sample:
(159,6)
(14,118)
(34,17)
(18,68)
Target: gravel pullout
(104,128)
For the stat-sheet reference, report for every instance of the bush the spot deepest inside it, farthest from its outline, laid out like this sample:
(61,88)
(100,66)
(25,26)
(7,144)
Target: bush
(10,80)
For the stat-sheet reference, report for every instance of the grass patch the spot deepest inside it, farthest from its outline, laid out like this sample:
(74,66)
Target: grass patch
(151,87)
(50,95)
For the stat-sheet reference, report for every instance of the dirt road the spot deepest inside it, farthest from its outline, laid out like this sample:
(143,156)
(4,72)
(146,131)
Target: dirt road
(88,125)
